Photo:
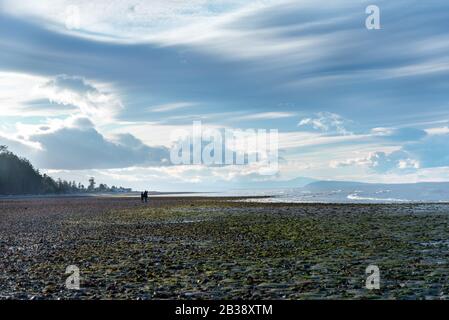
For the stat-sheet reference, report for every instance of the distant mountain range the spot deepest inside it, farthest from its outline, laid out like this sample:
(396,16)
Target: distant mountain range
(314,185)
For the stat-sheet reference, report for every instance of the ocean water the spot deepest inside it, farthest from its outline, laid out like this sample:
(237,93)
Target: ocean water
(356,195)
(333,196)
(300,195)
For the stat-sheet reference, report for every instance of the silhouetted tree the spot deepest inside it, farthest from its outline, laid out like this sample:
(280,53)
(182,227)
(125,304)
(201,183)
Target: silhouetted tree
(91,186)
(18,176)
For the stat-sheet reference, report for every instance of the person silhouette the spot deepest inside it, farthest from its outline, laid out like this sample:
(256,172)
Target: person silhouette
(145,195)
(142,196)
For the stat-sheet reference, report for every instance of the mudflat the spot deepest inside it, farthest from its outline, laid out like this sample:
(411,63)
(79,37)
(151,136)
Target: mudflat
(221,248)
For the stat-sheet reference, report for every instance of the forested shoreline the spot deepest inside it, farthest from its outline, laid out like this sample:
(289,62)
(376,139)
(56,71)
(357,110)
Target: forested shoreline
(19,177)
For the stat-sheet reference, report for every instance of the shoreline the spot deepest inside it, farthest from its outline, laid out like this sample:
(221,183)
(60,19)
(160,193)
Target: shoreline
(93,195)
(250,199)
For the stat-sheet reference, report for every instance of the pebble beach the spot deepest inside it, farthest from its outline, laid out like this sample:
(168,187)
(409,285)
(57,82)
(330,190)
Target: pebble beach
(221,248)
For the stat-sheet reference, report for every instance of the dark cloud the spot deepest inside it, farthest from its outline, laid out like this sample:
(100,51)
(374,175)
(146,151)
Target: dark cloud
(75,148)
(81,146)
(433,151)
(382,162)
(428,152)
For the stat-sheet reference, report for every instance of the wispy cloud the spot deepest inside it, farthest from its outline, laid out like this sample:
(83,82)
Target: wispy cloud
(123,21)
(267,115)
(171,106)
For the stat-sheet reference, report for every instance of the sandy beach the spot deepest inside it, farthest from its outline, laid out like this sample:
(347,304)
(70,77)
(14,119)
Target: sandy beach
(213,248)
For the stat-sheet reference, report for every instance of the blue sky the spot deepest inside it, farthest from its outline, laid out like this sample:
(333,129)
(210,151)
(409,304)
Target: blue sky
(349,103)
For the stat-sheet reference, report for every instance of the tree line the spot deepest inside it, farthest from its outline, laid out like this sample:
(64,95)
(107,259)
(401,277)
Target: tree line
(18,176)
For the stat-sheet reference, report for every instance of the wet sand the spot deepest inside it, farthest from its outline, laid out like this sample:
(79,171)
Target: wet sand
(213,248)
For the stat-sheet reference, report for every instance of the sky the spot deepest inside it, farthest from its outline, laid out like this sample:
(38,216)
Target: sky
(97,88)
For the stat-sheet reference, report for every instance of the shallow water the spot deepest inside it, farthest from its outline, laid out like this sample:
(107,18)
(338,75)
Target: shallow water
(302,195)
